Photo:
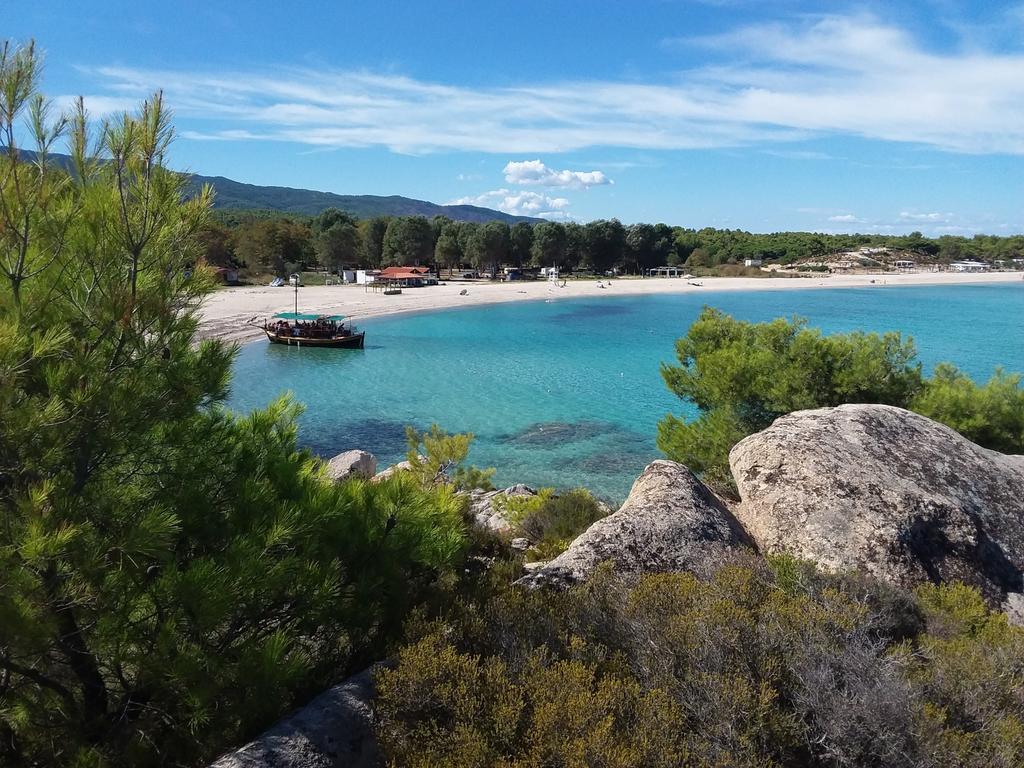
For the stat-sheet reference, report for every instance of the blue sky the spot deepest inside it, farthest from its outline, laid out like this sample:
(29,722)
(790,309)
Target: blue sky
(871,117)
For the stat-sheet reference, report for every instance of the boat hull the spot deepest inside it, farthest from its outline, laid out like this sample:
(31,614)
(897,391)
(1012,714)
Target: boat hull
(351,341)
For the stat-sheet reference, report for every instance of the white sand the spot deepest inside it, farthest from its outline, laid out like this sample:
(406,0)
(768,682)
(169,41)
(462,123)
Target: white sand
(225,312)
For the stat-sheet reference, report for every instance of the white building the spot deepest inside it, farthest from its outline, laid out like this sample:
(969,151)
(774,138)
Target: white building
(752,262)
(903,265)
(968,266)
(364,276)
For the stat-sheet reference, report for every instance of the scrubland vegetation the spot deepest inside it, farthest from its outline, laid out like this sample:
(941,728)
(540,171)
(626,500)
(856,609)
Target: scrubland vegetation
(766,664)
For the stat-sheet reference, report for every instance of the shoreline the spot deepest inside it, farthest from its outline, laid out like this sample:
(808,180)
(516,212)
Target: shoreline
(224,313)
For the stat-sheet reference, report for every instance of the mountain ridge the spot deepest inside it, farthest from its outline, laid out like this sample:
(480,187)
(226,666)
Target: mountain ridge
(238,195)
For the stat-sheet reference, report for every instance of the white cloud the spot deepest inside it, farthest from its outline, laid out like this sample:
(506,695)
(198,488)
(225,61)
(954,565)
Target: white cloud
(519,203)
(774,83)
(845,218)
(926,217)
(534,172)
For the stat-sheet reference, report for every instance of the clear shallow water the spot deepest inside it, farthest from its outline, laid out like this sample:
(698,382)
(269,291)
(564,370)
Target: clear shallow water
(569,393)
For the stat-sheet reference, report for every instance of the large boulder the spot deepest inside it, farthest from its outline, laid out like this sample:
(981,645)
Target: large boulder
(888,492)
(487,514)
(335,730)
(670,522)
(352,464)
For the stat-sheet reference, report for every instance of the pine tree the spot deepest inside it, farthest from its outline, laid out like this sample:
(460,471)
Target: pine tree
(173,576)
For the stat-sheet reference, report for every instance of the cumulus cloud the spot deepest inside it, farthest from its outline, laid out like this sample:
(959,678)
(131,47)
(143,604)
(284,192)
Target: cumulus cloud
(773,83)
(534,172)
(926,217)
(845,218)
(519,203)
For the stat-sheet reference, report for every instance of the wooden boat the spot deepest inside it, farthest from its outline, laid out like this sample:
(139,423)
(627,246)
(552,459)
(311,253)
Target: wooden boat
(302,330)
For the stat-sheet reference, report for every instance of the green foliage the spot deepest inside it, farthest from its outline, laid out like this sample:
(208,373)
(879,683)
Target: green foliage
(550,521)
(408,241)
(742,376)
(435,457)
(991,415)
(758,666)
(174,577)
(335,239)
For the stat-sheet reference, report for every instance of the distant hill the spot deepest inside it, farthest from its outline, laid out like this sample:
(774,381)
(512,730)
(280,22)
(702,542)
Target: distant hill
(235,195)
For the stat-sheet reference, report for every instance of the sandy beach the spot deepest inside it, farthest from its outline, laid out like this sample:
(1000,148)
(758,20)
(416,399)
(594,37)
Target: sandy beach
(224,313)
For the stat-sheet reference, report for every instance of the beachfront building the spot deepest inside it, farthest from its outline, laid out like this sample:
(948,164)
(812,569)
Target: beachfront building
(408,277)
(970,265)
(666,272)
(366,276)
(903,265)
(752,262)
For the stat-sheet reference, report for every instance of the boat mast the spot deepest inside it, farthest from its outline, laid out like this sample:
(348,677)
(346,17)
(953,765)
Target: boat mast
(296,298)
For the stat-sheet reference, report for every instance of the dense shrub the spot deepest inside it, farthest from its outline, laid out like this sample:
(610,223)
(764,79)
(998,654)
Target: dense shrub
(760,666)
(742,376)
(551,520)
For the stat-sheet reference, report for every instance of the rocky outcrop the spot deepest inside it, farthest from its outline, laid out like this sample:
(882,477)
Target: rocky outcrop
(402,466)
(335,730)
(487,514)
(352,464)
(885,491)
(670,522)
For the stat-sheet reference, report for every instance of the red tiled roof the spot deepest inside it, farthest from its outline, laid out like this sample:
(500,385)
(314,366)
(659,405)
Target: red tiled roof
(405,271)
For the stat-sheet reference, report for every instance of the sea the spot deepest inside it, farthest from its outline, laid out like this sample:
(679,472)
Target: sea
(569,393)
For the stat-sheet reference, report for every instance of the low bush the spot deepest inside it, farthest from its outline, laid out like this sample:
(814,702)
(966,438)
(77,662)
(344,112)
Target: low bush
(551,520)
(762,665)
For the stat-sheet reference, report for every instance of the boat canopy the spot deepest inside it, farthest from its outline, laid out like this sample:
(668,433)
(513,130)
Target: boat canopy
(301,316)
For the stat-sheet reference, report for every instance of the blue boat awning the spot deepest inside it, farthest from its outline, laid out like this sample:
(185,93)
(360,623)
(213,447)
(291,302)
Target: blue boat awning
(308,317)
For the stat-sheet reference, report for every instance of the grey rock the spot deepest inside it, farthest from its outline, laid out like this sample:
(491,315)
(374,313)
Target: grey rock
(670,522)
(402,466)
(334,730)
(1013,606)
(486,514)
(520,544)
(887,492)
(352,464)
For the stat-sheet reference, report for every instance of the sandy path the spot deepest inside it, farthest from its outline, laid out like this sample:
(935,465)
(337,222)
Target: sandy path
(225,312)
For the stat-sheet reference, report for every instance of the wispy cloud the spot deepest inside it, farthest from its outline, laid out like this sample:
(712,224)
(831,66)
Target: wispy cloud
(776,83)
(534,172)
(519,203)
(845,218)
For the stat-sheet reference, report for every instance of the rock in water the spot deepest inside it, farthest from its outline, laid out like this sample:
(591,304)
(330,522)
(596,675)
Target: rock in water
(888,492)
(670,522)
(352,464)
(333,730)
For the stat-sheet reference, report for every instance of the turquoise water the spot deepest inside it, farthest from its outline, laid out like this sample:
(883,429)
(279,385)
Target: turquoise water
(568,393)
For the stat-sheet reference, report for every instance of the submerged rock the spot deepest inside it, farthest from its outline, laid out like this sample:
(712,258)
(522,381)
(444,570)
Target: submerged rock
(884,491)
(670,522)
(352,464)
(335,730)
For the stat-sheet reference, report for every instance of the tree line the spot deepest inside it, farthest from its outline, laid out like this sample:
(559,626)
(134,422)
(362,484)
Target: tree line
(267,241)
